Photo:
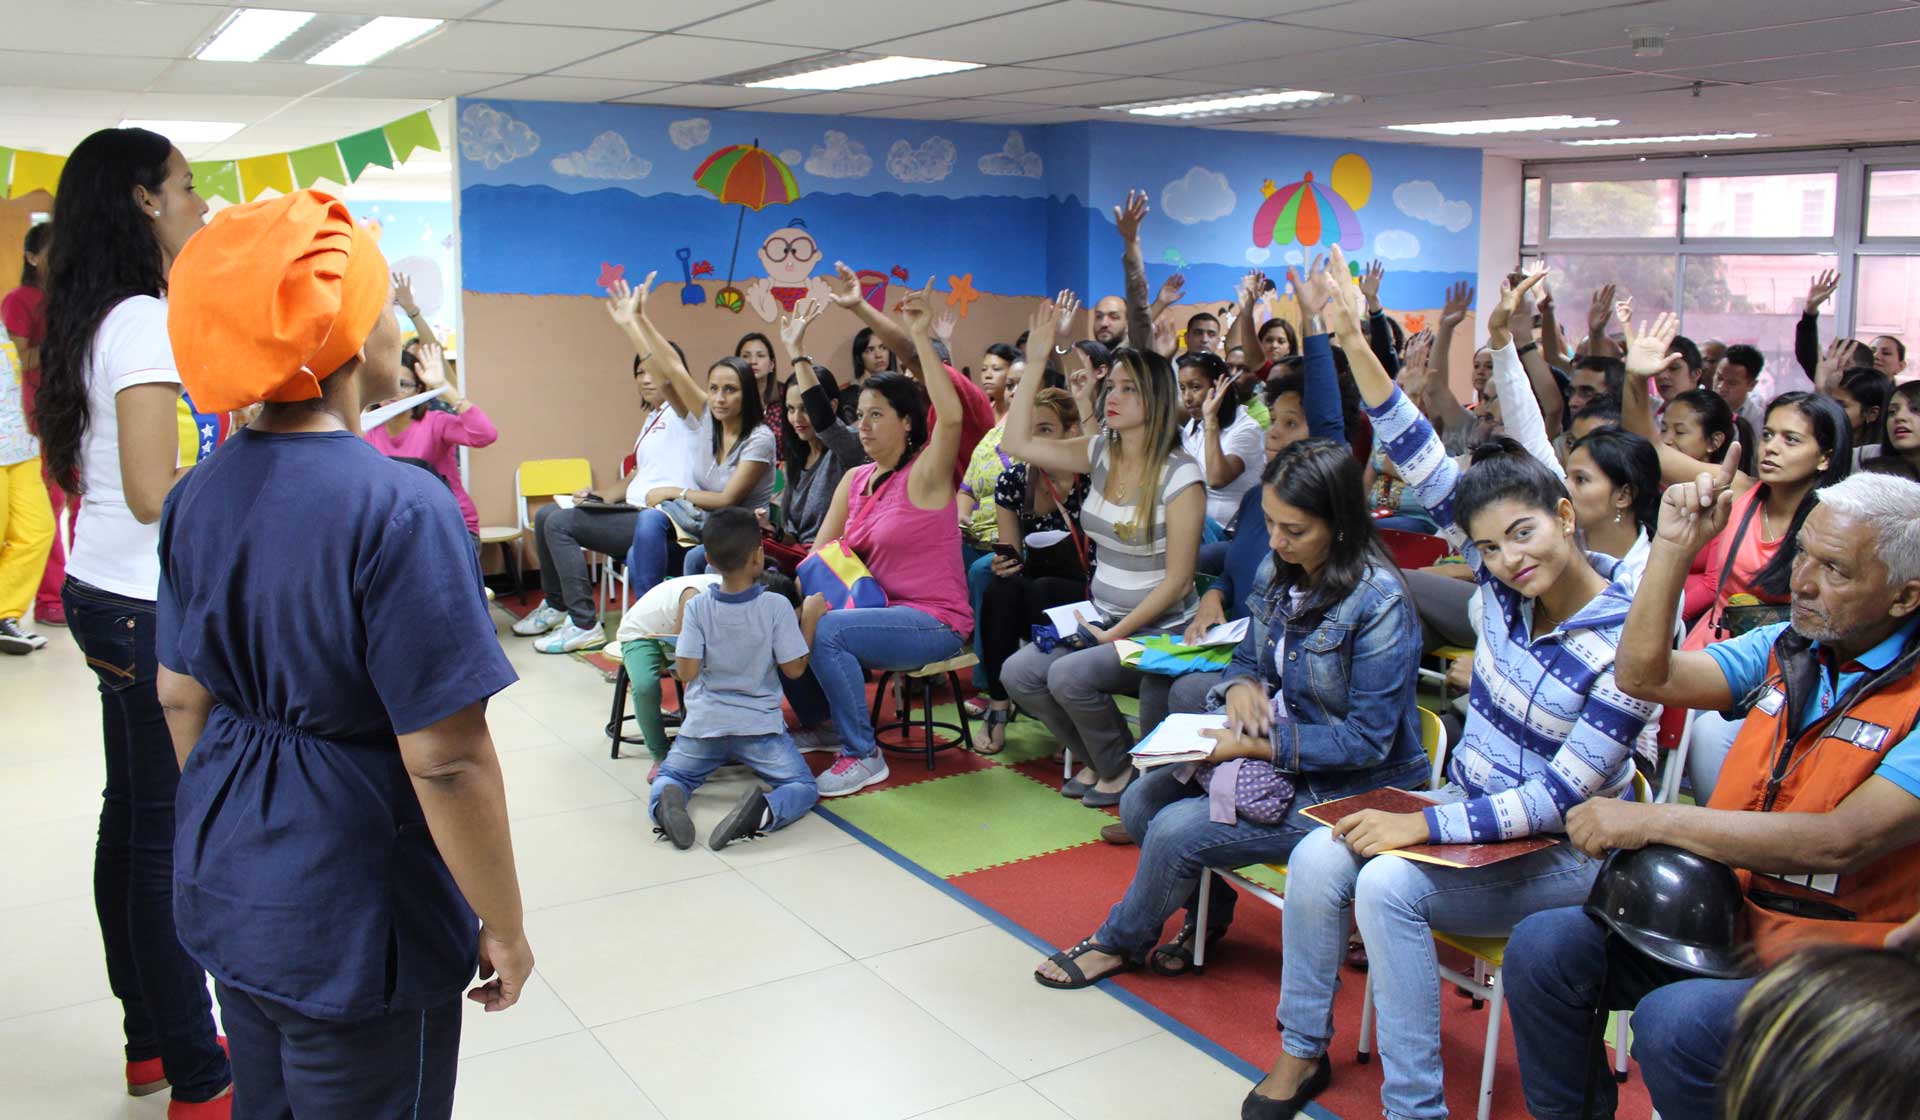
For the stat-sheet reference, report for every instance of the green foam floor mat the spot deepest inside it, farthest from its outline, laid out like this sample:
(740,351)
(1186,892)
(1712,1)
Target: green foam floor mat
(969,822)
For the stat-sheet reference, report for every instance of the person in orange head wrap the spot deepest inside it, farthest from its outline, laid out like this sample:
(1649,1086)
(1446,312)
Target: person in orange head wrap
(341,817)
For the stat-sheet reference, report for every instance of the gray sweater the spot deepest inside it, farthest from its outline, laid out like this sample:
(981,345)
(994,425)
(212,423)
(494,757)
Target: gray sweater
(809,492)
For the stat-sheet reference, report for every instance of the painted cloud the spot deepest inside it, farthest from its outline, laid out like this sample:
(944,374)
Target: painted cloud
(1013,158)
(839,157)
(490,137)
(1198,196)
(608,157)
(791,156)
(1419,198)
(1395,245)
(931,162)
(686,134)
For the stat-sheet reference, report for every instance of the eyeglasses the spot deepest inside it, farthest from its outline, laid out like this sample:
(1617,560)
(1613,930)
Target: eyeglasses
(800,249)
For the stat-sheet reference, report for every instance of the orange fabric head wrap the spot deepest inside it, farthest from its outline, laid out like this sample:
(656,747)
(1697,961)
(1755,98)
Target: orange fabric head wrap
(272,297)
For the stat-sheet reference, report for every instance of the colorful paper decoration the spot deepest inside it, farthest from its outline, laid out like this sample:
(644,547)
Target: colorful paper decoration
(363,150)
(747,175)
(322,161)
(216,179)
(35,171)
(263,172)
(408,134)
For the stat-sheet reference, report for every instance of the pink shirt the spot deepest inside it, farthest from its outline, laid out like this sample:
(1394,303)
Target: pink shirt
(1752,558)
(913,552)
(433,438)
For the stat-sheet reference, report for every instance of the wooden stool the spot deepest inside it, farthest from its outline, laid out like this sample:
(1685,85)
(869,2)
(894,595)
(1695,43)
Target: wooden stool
(924,677)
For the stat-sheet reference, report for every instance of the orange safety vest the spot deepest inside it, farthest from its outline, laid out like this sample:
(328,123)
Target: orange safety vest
(1814,773)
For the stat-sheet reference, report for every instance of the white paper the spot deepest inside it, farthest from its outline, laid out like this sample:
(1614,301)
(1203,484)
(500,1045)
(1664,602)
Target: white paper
(1225,634)
(1047,538)
(564,501)
(378,416)
(1067,619)
(1179,738)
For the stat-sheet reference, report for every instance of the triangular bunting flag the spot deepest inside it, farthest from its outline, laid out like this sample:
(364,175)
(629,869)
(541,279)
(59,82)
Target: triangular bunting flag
(6,168)
(263,172)
(216,179)
(322,161)
(363,150)
(33,171)
(410,133)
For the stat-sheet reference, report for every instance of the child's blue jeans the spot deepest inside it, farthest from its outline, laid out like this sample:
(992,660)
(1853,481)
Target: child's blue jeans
(772,758)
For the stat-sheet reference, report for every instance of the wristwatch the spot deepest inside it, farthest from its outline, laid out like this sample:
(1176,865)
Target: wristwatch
(1531,346)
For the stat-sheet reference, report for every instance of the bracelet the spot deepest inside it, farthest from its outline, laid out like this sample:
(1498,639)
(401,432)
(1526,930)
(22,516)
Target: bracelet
(803,358)
(1063,351)
(1529,348)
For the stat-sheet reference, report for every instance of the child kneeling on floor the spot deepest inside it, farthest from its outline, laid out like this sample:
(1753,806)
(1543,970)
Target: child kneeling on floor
(732,639)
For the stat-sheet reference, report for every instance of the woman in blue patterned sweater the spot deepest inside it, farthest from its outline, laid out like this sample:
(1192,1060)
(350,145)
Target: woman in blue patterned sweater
(1547,729)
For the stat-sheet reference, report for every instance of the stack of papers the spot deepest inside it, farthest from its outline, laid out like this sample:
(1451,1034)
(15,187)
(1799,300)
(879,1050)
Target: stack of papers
(1066,619)
(1225,634)
(1179,738)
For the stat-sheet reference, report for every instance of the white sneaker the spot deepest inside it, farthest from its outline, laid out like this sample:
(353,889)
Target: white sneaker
(851,775)
(543,619)
(17,641)
(569,638)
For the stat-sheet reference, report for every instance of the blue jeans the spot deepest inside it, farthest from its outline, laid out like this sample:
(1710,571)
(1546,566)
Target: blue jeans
(772,758)
(696,562)
(849,642)
(162,992)
(655,544)
(1707,746)
(979,576)
(285,1064)
(1561,967)
(1212,561)
(1399,903)
(1169,820)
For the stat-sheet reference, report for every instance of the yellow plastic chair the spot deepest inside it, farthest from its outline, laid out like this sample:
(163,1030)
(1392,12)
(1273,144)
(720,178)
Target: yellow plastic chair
(1488,955)
(535,478)
(1433,739)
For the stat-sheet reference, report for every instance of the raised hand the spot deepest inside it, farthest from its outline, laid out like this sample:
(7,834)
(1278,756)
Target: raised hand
(1314,290)
(793,325)
(1600,309)
(1415,365)
(843,286)
(1165,337)
(1170,290)
(1069,306)
(1454,311)
(1250,286)
(917,310)
(1344,303)
(1647,348)
(1820,290)
(432,371)
(1693,513)
(624,302)
(945,325)
(1128,216)
(1210,408)
(1370,285)
(1042,322)
(1498,320)
(403,293)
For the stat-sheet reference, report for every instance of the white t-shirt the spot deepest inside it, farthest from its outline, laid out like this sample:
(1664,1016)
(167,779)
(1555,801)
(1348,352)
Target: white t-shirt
(754,447)
(111,550)
(653,615)
(1243,438)
(663,454)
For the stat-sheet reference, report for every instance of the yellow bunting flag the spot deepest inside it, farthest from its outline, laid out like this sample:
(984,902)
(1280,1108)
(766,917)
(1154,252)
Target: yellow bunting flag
(261,172)
(410,133)
(35,171)
(322,161)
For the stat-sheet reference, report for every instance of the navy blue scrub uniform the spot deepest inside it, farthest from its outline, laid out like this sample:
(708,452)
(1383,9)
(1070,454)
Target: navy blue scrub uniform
(326,597)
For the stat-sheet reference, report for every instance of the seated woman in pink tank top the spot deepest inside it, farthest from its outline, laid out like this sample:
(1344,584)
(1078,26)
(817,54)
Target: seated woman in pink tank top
(898,515)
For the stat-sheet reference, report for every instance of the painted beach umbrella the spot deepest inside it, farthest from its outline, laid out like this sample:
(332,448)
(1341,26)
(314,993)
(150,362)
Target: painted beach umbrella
(750,177)
(1308,213)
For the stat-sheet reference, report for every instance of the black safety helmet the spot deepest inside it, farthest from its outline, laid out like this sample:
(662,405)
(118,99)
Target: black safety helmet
(1679,908)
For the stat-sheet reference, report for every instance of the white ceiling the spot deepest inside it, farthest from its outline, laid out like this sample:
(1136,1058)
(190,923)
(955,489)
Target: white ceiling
(1806,74)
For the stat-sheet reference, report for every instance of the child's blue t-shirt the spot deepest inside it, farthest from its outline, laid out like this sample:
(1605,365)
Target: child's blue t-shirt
(741,638)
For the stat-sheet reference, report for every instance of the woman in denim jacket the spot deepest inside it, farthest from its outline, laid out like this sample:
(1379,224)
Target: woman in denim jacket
(1334,633)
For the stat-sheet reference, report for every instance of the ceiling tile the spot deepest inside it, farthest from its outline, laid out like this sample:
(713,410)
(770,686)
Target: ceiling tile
(1320,69)
(431,9)
(990,81)
(80,71)
(1122,91)
(699,96)
(1042,34)
(33,101)
(845,24)
(507,48)
(951,109)
(687,58)
(380,81)
(626,15)
(344,115)
(112,27)
(1397,17)
(1044,116)
(203,107)
(557,87)
(846,101)
(284,79)
(1196,53)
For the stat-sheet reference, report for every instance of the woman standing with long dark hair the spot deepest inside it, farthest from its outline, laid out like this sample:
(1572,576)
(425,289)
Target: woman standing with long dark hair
(107,411)
(24,313)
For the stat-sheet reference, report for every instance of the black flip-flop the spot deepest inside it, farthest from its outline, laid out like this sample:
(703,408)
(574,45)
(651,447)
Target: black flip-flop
(1067,960)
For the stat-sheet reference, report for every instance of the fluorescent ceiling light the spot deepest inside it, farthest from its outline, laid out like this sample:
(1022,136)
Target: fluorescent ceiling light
(1686,139)
(1504,124)
(892,68)
(191,132)
(372,39)
(250,33)
(1225,103)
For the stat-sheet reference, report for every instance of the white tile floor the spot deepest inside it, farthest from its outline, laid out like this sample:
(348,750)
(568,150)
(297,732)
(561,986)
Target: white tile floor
(800,976)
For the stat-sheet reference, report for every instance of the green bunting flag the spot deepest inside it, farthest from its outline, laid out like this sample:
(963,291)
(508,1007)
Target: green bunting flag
(409,134)
(364,150)
(217,179)
(322,161)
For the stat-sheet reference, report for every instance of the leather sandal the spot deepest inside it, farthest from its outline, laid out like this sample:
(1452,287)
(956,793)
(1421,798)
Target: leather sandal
(1175,958)
(1067,961)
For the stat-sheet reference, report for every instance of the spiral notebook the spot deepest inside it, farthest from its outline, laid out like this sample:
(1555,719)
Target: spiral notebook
(1392,800)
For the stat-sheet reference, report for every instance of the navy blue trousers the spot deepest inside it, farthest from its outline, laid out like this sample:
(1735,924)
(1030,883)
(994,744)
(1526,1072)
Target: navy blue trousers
(399,1066)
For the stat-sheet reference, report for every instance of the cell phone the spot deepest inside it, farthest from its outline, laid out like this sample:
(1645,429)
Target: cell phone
(1007,551)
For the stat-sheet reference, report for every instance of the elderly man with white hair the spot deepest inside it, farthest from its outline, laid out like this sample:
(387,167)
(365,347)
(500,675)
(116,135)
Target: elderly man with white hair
(1817,807)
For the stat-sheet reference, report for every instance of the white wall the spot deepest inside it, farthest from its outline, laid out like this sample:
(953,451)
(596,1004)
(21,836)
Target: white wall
(1499,234)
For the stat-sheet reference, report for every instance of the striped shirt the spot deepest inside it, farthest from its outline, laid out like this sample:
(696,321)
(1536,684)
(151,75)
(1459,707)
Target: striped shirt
(1129,570)
(1547,728)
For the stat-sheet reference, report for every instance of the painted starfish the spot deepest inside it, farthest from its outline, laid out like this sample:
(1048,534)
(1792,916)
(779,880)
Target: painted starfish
(611,274)
(962,294)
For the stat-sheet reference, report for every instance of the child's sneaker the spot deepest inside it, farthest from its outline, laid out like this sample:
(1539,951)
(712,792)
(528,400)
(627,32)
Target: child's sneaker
(570,638)
(851,775)
(543,619)
(749,819)
(670,817)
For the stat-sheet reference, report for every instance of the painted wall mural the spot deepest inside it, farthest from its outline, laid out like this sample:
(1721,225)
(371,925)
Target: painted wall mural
(745,213)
